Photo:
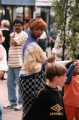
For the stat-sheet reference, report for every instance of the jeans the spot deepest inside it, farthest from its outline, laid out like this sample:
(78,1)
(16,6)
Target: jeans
(13,77)
(0,112)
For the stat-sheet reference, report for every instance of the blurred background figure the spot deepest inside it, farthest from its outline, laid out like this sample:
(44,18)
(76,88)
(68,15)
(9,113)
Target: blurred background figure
(42,40)
(3,64)
(50,45)
(32,74)
(1,114)
(5,27)
(3,60)
(26,24)
(17,39)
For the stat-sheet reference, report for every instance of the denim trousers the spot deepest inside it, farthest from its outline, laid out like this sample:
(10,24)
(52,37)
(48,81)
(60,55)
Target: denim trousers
(12,84)
(0,112)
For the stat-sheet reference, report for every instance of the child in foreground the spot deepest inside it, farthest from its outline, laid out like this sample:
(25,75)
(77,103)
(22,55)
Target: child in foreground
(49,103)
(71,92)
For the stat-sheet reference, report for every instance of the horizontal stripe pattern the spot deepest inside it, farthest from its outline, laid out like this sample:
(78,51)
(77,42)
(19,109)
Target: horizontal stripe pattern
(15,52)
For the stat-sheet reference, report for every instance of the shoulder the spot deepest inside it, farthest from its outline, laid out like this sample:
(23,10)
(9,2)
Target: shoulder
(24,33)
(43,93)
(12,34)
(34,45)
(2,48)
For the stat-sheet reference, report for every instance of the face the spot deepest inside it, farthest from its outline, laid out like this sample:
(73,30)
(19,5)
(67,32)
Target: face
(76,69)
(37,32)
(61,80)
(18,27)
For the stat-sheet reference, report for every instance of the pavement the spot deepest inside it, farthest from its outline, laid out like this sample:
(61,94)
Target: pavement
(7,114)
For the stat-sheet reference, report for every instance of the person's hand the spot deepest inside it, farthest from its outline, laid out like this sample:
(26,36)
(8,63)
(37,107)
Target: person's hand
(13,42)
(12,35)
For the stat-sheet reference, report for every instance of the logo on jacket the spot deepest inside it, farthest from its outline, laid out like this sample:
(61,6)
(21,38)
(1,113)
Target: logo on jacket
(57,108)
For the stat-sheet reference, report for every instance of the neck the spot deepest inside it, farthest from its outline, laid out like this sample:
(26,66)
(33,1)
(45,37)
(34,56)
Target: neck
(51,84)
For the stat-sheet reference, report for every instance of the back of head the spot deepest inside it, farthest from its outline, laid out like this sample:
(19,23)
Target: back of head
(54,69)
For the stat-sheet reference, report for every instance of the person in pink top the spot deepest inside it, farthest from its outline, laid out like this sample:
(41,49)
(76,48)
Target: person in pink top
(3,65)
(71,94)
(3,57)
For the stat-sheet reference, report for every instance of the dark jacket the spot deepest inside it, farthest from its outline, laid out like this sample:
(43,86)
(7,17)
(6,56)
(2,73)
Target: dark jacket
(47,106)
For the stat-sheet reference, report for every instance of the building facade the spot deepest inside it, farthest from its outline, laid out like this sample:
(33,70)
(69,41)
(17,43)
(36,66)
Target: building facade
(10,9)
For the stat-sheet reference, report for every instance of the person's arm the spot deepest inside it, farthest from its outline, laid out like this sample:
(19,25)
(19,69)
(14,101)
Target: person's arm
(69,74)
(37,111)
(19,39)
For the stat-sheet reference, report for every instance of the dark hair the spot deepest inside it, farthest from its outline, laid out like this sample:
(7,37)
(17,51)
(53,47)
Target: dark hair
(68,64)
(54,69)
(18,21)
(26,20)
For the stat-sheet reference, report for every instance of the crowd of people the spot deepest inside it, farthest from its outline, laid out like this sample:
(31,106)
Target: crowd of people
(47,88)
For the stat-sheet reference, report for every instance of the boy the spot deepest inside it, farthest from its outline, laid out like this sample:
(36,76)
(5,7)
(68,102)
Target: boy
(49,103)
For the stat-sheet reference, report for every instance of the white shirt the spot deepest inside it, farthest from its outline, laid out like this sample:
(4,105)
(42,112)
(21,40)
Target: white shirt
(3,59)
